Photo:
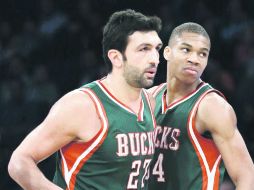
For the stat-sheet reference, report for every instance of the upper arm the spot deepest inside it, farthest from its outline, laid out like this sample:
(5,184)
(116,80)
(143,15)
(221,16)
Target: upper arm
(218,117)
(73,117)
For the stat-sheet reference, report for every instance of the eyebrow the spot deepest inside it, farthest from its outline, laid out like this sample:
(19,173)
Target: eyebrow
(148,44)
(188,45)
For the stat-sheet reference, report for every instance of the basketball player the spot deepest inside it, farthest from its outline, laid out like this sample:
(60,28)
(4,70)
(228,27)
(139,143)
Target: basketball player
(196,131)
(103,132)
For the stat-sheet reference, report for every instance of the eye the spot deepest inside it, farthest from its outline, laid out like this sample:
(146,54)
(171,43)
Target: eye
(203,54)
(185,50)
(144,48)
(158,48)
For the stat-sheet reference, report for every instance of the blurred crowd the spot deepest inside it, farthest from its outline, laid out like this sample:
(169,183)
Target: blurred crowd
(50,47)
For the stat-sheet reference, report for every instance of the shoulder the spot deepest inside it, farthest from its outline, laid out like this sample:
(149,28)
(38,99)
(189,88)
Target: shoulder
(213,102)
(215,113)
(74,112)
(73,101)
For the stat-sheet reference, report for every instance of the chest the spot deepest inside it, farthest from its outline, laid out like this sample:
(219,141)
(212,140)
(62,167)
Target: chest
(127,138)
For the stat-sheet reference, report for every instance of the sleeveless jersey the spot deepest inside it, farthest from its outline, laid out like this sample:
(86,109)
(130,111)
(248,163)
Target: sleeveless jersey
(184,159)
(118,157)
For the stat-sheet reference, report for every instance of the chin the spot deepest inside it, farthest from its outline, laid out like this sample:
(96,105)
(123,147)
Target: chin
(190,81)
(148,84)
(188,78)
(145,85)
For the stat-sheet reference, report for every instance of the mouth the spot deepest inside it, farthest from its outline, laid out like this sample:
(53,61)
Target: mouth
(151,72)
(190,70)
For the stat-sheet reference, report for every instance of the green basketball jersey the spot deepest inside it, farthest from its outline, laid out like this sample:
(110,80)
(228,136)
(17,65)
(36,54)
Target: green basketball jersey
(118,157)
(184,159)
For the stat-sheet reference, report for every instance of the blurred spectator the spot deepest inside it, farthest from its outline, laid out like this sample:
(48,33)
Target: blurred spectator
(41,89)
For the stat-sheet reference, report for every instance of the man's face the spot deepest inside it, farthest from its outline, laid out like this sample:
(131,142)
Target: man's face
(187,56)
(141,58)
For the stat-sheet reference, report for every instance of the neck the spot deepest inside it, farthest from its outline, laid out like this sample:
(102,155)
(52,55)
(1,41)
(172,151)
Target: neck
(177,89)
(121,89)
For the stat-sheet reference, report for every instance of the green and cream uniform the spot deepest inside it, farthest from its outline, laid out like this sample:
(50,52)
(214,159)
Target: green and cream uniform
(184,159)
(118,157)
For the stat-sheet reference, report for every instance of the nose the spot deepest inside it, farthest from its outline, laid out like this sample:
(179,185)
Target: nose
(193,58)
(155,57)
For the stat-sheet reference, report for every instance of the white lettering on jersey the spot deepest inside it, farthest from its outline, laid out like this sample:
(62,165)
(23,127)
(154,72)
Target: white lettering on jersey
(151,143)
(135,144)
(166,131)
(167,137)
(174,145)
(123,148)
(157,131)
(143,138)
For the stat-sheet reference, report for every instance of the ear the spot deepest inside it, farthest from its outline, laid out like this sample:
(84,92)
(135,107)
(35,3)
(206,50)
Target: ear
(166,52)
(115,57)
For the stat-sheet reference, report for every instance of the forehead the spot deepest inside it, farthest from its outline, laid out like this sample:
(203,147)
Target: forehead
(138,38)
(192,39)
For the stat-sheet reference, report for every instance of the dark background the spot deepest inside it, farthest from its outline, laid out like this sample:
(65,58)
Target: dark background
(50,47)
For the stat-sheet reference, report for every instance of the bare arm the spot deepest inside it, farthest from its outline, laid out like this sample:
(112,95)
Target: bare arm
(64,123)
(218,117)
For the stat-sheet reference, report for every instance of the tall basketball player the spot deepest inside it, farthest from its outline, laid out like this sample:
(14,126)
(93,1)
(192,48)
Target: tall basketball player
(196,133)
(103,131)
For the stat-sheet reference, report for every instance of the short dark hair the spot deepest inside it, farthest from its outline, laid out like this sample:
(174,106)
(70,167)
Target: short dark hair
(121,25)
(189,27)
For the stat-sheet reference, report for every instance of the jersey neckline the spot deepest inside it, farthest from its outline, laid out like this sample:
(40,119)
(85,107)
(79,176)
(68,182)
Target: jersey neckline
(172,105)
(140,113)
